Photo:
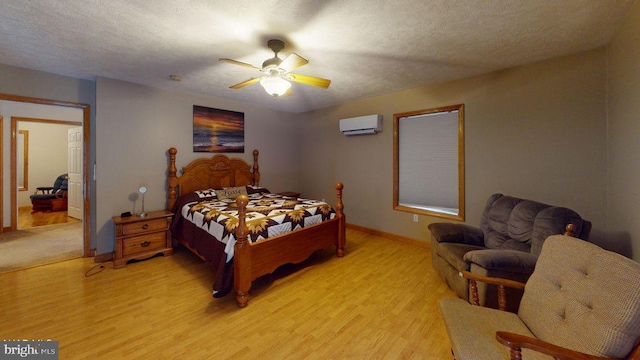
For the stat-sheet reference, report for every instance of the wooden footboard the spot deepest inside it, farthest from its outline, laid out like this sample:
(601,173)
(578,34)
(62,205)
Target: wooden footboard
(252,260)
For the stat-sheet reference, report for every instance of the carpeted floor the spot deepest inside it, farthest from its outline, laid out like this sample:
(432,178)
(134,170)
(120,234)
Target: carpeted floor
(40,245)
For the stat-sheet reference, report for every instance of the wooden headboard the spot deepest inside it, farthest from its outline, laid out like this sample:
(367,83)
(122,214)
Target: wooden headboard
(210,173)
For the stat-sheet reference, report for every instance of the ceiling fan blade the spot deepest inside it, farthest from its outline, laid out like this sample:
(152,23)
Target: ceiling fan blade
(245,83)
(310,80)
(236,62)
(293,62)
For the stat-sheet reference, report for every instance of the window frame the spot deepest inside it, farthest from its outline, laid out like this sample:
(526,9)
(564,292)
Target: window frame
(426,209)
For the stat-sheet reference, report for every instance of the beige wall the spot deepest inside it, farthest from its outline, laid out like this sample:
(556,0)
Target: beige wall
(623,96)
(136,125)
(535,131)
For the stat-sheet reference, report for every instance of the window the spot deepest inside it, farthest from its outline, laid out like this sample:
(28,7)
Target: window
(429,162)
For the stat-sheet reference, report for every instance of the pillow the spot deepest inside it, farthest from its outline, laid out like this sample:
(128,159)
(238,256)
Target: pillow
(231,193)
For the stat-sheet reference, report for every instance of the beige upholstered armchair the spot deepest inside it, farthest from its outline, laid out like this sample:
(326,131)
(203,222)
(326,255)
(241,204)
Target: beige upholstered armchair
(581,302)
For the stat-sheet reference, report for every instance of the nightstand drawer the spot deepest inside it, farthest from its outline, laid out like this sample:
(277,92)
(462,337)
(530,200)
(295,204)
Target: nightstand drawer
(139,227)
(139,238)
(141,243)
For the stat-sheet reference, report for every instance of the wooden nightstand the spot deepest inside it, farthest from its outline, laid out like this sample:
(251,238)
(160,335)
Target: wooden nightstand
(142,237)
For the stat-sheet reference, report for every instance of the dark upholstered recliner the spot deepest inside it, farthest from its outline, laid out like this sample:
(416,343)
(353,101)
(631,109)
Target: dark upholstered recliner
(506,245)
(51,198)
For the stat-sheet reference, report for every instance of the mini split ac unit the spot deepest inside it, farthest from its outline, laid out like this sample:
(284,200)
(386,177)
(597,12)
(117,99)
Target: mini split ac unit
(368,124)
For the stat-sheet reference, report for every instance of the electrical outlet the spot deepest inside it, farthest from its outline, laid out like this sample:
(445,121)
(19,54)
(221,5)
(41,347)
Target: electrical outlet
(415,217)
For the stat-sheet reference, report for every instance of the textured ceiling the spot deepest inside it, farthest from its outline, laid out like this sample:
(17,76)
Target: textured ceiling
(366,47)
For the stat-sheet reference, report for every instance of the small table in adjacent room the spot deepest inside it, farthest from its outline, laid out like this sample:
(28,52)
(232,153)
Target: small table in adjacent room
(139,238)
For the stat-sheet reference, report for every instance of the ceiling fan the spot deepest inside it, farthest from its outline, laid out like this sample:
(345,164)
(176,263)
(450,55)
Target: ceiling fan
(277,72)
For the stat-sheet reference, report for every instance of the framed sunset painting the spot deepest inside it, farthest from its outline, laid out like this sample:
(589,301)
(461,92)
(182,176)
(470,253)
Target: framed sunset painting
(216,130)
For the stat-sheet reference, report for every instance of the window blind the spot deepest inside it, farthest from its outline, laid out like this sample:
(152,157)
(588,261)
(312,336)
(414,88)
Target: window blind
(428,161)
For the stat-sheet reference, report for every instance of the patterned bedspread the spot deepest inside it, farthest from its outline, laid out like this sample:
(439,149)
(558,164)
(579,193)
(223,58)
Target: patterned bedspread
(208,224)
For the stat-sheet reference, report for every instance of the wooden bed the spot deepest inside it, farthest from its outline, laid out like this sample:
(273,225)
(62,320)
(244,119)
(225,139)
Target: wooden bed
(252,260)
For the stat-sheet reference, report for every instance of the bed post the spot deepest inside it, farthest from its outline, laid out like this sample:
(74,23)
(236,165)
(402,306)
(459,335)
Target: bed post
(256,169)
(172,179)
(242,255)
(341,240)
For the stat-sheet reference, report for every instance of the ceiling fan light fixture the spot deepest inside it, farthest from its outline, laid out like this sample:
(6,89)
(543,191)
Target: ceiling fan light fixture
(275,85)
(278,75)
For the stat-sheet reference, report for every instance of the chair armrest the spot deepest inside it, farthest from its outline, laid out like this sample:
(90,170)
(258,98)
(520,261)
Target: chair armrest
(499,282)
(491,280)
(44,189)
(503,260)
(517,342)
(456,233)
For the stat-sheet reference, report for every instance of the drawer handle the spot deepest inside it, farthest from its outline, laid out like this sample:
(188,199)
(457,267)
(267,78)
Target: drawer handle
(145,244)
(145,226)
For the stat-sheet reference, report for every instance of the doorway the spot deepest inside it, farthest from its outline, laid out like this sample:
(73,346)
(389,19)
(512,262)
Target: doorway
(49,150)
(8,210)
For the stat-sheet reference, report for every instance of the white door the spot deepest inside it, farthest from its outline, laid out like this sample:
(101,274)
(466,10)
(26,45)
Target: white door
(75,198)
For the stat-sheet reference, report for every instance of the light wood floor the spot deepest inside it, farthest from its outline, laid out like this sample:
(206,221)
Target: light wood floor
(378,302)
(28,220)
